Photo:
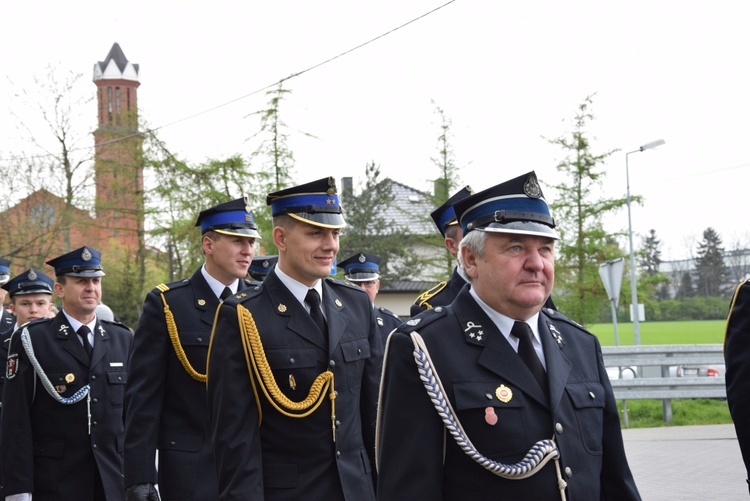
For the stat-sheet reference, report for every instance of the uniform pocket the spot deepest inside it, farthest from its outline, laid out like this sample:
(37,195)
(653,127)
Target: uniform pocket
(588,400)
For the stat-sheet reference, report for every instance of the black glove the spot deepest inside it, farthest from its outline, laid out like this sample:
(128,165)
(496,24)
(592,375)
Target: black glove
(142,492)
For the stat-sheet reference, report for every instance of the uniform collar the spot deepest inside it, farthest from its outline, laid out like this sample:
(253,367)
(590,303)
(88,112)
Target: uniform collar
(216,286)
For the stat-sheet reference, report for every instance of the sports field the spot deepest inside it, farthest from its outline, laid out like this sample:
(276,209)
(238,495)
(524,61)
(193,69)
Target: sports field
(686,332)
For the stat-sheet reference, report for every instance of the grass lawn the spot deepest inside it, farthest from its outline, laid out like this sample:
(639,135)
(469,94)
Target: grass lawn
(648,413)
(685,332)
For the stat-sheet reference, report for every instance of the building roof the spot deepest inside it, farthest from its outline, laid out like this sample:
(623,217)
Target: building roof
(116,66)
(410,209)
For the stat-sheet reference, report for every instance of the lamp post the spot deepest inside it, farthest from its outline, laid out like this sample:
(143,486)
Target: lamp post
(633,284)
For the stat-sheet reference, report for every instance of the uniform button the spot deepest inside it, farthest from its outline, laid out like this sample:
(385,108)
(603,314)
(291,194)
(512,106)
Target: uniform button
(291,360)
(94,446)
(338,424)
(591,394)
(332,364)
(558,428)
(95,400)
(200,339)
(172,443)
(338,454)
(335,393)
(359,351)
(568,472)
(438,309)
(488,395)
(94,423)
(93,376)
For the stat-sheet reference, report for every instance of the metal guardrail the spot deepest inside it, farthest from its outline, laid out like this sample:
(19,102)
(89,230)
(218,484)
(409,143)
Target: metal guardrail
(654,380)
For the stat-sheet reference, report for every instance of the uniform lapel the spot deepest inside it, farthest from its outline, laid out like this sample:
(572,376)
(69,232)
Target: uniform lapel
(71,342)
(100,344)
(498,355)
(291,311)
(205,299)
(336,321)
(558,366)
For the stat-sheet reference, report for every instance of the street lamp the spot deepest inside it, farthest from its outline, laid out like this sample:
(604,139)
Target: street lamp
(633,284)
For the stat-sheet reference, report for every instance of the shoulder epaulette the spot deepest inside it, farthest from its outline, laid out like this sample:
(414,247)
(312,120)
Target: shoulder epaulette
(429,294)
(171,285)
(386,311)
(559,317)
(245,294)
(424,318)
(333,281)
(113,322)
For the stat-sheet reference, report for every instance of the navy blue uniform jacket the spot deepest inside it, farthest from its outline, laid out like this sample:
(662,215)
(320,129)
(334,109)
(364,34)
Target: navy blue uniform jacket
(285,458)
(47,449)
(737,357)
(165,408)
(582,416)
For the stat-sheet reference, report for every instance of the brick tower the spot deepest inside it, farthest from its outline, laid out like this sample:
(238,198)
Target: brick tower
(118,164)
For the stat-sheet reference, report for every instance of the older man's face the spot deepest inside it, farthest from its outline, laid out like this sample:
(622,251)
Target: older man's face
(516,274)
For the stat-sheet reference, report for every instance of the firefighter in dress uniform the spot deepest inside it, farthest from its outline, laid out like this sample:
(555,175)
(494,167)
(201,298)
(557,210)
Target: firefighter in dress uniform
(363,270)
(165,398)
(470,388)
(445,292)
(294,365)
(62,424)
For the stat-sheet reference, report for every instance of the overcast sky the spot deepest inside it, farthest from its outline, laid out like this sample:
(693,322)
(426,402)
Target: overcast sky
(507,75)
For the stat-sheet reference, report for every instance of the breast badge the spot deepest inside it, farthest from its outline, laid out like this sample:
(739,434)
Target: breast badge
(503,393)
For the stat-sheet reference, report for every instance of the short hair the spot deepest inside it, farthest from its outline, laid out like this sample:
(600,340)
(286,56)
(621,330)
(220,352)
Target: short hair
(451,231)
(475,241)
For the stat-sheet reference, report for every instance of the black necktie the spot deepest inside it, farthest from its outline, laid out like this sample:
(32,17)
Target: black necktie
(83,333)
(526,351)
(225,293)
(313,301)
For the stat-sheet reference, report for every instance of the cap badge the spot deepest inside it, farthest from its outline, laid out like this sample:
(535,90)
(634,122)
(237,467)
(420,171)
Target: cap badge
(266,264)
(503,393)
(281,308)
(247,203)
(531,187)
(86,255)
(361,258)
(32,275)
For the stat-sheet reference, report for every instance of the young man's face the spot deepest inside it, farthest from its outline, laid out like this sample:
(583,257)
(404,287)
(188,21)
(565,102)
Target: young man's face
(306,252)
(228,256)
(516,274)
(80,296)
(28,307)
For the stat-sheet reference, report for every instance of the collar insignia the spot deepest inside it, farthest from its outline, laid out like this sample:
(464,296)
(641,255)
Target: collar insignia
(64,329)
(201,302)
(556,334)
(102,331)
(474,333)
(281,308)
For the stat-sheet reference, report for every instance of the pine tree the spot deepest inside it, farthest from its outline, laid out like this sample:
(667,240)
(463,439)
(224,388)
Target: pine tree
(580,211)
(712,272)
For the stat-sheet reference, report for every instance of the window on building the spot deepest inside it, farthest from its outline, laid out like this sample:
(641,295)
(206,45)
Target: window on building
(109,105)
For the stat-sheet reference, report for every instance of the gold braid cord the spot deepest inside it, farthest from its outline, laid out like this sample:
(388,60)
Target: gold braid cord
(175,338)
(261,371)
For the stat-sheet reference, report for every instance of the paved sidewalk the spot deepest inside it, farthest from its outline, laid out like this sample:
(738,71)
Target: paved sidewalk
(686,462)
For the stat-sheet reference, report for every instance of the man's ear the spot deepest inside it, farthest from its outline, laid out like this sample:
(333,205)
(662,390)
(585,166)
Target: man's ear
(279,237)
(59,289)
(469,259)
